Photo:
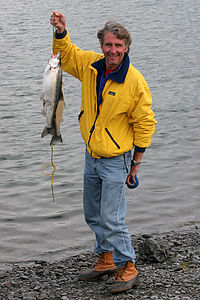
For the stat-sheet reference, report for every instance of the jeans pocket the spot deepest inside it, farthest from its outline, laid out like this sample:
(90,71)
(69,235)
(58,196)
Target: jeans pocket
(127,161)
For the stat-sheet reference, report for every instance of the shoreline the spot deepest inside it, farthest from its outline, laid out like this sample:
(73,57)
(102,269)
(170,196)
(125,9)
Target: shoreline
(169,266)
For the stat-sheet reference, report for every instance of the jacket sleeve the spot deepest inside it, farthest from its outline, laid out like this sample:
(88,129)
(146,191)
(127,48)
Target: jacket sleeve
(73,59)
(142,117)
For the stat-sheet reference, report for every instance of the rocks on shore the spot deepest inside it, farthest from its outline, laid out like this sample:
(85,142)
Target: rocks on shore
(169,266)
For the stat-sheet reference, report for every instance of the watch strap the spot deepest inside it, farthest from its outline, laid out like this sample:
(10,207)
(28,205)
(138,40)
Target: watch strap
(135,163)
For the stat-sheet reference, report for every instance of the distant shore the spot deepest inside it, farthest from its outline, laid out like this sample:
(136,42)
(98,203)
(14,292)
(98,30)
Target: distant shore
(169,266)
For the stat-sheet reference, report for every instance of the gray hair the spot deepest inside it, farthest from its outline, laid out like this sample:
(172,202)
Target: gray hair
(118,30)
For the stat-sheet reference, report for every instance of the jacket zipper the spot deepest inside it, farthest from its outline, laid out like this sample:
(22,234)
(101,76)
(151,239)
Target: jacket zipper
(108,132)
(92,129)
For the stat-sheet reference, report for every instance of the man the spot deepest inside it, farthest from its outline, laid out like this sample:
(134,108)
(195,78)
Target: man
(115,117)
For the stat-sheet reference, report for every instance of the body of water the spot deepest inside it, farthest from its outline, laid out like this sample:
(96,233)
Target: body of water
(165,49)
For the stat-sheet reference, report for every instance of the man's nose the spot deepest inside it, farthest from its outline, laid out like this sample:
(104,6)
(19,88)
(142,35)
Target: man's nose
(113,48)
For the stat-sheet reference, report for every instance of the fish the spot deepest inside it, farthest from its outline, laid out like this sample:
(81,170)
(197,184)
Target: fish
(53,98)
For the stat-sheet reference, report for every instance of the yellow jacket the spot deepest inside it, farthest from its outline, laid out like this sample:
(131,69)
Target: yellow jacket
(124,118)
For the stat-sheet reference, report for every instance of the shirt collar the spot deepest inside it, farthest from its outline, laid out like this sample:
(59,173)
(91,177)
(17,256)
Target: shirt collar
(119,75)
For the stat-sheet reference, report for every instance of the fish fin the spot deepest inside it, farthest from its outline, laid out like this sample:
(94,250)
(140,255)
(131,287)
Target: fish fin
(42,96)
(44,132)
(47,131)
(43,111)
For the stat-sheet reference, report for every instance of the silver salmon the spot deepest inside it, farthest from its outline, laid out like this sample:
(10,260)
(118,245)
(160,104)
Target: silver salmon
(53,98)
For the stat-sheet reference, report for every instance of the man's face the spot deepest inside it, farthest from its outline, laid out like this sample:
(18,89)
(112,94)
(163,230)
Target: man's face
(114,50)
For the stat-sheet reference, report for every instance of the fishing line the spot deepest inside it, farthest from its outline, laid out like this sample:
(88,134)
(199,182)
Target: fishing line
(51,173)
(54,37)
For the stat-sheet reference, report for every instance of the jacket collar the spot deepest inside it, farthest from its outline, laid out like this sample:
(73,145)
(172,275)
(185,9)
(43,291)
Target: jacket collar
(119,75)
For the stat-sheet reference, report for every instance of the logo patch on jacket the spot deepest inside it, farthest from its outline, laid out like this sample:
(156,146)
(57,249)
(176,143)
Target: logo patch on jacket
(111,93)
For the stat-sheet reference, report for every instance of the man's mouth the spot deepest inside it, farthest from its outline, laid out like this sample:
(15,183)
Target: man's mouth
(113,56)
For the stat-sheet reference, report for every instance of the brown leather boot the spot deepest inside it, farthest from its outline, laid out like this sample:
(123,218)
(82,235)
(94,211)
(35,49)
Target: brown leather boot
(103,266)
(126,278)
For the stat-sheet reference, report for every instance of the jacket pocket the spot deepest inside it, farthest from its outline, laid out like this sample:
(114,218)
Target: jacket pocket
(109,134)
(80,115)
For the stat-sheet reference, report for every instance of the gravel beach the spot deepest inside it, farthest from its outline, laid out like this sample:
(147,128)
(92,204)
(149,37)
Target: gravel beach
(169,266)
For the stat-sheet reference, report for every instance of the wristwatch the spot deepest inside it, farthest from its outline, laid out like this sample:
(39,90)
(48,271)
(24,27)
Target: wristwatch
(134,163)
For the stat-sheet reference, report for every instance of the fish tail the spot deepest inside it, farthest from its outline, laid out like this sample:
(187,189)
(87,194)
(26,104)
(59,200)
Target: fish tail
(56,139)
(47,131)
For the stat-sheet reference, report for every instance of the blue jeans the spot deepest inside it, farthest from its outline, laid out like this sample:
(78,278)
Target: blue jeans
(104,205)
